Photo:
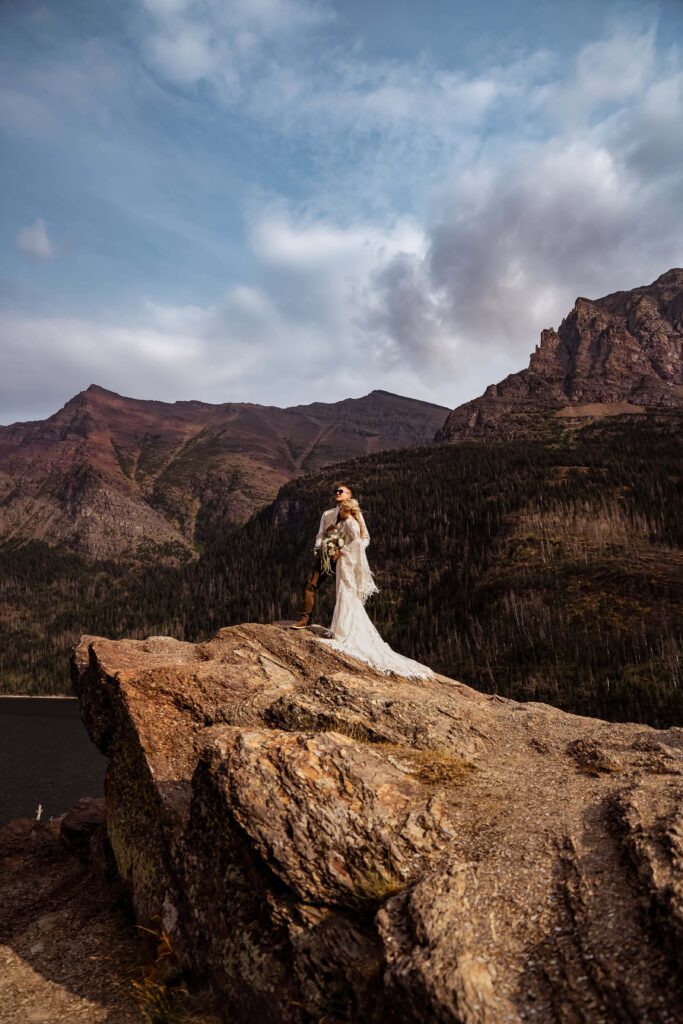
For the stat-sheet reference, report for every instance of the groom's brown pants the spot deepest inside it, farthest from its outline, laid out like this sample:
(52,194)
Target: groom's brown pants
(315,577)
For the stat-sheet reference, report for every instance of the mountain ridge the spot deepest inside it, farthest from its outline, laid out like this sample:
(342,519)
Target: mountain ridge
(109,475)
(195,402)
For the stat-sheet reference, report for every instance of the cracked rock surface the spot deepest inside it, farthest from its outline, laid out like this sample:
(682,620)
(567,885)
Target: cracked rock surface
(323,842)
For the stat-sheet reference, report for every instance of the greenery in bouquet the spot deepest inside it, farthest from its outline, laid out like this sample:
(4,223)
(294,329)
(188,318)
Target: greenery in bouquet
(332,543)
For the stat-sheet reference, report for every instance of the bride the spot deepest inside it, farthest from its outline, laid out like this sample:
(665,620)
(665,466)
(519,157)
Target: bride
(353,631)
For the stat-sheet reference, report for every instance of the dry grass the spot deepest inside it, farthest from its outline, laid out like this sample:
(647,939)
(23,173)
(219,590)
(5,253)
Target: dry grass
(376,886)
(600,767)
(435,767)
(162,992)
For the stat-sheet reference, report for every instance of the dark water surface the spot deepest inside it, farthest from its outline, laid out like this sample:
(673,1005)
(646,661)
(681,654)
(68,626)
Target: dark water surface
(46,758)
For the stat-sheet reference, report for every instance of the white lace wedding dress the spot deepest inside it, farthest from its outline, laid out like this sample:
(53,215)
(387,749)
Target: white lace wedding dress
(353,631)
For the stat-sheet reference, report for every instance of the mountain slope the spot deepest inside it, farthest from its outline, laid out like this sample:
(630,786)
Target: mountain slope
(622,354)
(108,475)
(541,569)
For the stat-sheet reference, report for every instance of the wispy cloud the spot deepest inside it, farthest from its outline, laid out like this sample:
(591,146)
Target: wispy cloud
(220,42)
(34,243)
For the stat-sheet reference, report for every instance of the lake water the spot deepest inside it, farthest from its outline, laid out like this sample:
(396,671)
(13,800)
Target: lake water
(46,757)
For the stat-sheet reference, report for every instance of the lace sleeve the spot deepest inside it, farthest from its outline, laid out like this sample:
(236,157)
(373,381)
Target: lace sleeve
(353,563)
(350,531)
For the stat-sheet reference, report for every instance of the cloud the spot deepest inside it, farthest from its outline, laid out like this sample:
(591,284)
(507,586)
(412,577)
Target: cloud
(34,243)
(219,42)
(278,58)
(403,315)
(302,338)
(612,70)
(593,206)
(437,218)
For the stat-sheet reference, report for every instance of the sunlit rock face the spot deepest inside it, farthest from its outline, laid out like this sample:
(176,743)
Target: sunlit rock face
(324,842)
(612,356)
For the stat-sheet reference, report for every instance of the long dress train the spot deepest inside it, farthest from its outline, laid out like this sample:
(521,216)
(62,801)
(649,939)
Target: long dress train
(354,632)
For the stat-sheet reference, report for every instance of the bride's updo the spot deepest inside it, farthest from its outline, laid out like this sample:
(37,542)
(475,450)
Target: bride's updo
(352,508)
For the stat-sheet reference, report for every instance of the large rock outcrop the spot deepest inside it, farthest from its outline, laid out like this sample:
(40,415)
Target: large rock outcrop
(322,842)
(612,356)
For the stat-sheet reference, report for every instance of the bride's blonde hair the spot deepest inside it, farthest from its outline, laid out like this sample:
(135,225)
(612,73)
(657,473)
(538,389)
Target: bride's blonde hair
(351,506)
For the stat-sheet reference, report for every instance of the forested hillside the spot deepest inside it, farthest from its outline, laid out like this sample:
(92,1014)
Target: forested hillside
(548,570)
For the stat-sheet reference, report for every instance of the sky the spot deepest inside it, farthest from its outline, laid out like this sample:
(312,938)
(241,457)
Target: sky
(289,201)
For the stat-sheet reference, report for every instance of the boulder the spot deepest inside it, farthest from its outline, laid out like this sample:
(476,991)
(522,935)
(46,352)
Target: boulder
(323,842)
(80,824)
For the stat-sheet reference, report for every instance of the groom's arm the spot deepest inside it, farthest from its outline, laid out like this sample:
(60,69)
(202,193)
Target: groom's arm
(321,534)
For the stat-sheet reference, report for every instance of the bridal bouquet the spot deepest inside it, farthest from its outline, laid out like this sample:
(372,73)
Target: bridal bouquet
(332,542)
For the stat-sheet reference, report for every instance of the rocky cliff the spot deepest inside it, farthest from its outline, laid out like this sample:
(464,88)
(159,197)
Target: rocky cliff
(108,475)
(612,356)
(322,842)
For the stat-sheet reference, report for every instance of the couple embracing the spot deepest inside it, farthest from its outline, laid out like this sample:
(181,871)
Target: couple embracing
(340,549)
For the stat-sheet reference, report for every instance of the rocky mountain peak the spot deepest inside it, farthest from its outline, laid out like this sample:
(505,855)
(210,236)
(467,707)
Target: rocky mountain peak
(618,354)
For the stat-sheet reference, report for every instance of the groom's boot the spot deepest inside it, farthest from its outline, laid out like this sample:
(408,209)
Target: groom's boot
(309,596)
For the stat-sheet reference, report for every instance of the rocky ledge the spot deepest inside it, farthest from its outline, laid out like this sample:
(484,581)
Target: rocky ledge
(321,842)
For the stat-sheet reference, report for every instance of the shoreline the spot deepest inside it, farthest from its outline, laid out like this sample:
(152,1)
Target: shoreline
(37,696)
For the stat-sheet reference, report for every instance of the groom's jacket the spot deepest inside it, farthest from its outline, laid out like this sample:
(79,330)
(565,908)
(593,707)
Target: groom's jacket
(328,519)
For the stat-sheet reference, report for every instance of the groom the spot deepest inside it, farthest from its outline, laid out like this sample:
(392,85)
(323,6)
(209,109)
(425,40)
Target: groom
(316,575)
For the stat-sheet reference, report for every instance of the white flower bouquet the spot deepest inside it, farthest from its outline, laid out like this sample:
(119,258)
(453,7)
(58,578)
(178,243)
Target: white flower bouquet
(332,543)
